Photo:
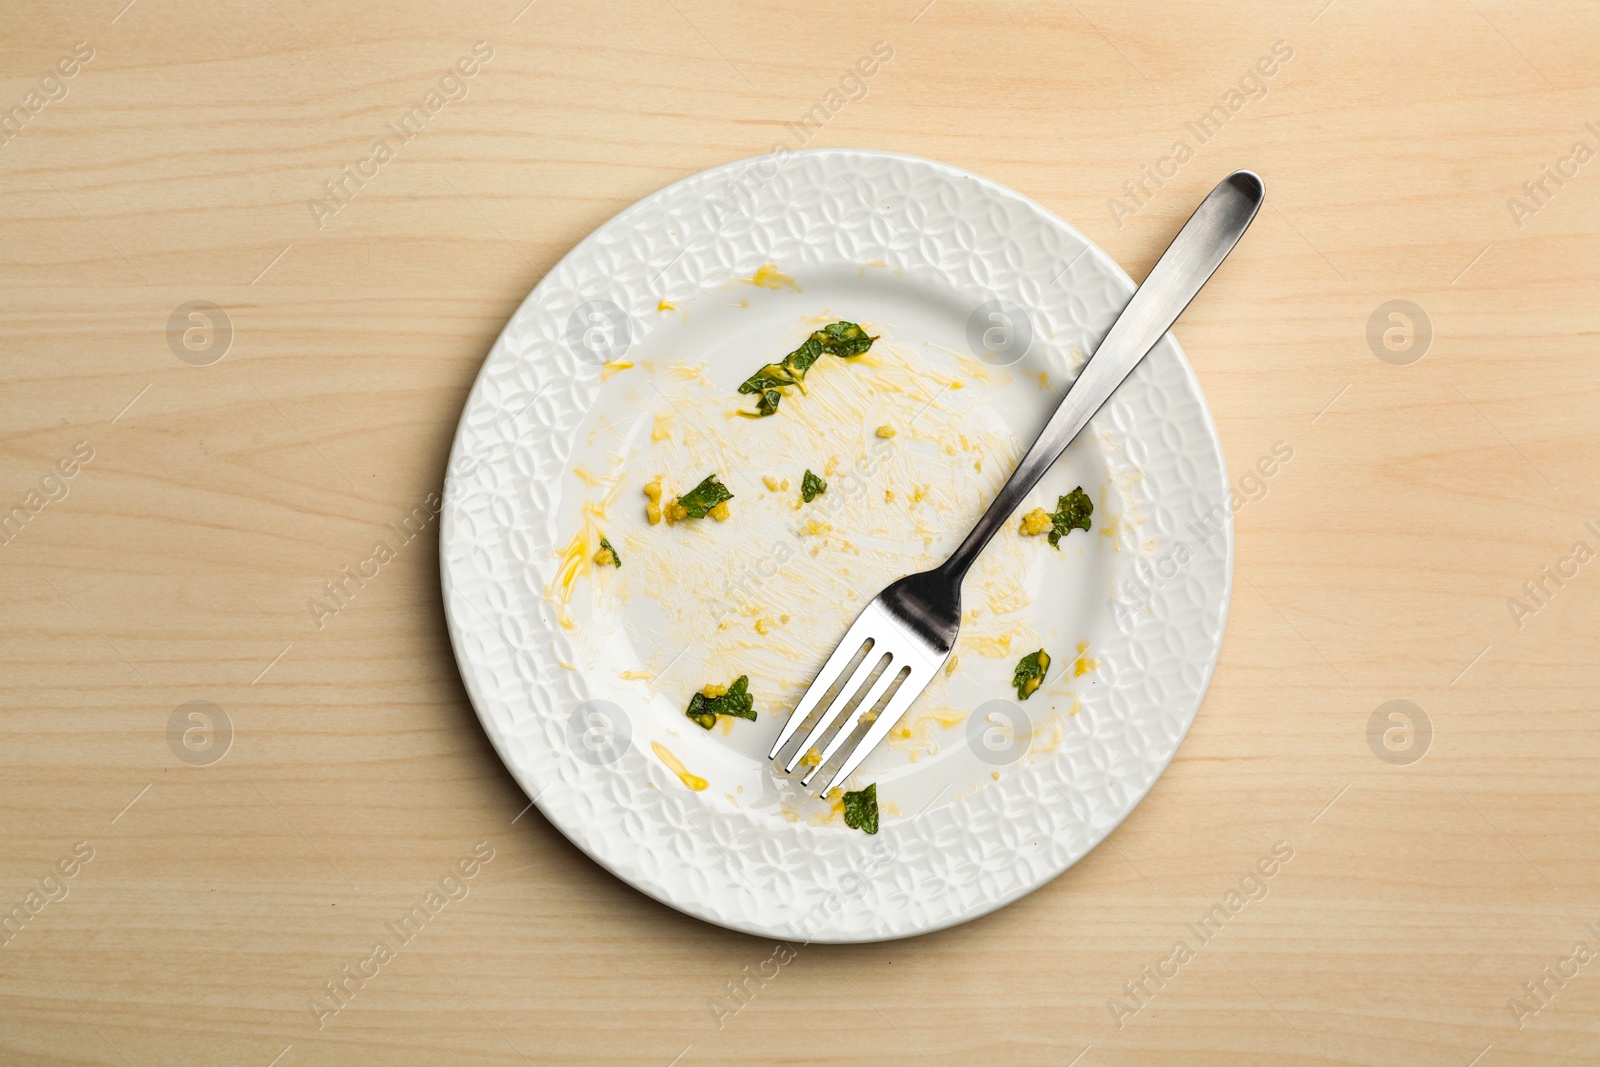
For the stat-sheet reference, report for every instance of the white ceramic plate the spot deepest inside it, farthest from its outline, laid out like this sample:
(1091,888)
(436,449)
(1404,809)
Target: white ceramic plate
(622,365)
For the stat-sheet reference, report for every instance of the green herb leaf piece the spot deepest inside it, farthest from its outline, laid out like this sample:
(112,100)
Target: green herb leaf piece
(1072,513)
(736,702)
(705,496)
(843,339)
(768,404)
(616,557)
(811,487)
(861,809)
(1031,670)
(769,377)
(800,360)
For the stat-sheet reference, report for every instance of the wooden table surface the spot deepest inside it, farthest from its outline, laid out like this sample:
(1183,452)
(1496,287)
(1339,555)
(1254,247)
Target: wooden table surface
(187,476)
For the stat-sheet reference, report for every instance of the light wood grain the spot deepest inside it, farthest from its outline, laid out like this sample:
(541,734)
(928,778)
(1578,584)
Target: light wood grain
(1377,566)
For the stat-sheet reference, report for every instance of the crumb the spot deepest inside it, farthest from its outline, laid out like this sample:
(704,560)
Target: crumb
(652,491)
(950,664)
(888,494)
(885,431)
(605,557)
(811,758)
(1036,522)
(712,691)
(764,626)
(666,305)
(775,484)
(720,512)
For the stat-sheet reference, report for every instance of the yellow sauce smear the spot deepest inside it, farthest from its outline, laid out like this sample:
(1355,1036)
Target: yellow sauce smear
(575,560)
(675,765)
(995,647)
(768,276)
(835,813)
(1046,738)
(616,366)
(1083,664)
(578,557)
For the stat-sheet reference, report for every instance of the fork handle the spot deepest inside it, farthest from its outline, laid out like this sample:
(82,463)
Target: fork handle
(1186,265)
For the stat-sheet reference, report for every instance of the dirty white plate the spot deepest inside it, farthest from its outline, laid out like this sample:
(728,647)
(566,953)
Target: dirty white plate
(622,366)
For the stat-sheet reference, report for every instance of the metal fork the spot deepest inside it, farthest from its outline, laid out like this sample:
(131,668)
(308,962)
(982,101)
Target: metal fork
(910,627)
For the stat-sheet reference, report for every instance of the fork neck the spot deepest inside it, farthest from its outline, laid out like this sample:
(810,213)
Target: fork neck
(1044,451)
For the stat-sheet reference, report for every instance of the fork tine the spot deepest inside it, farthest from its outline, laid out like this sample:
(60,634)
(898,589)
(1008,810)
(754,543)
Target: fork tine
(890,673)
(874,657)
(909,690)
(846,650)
